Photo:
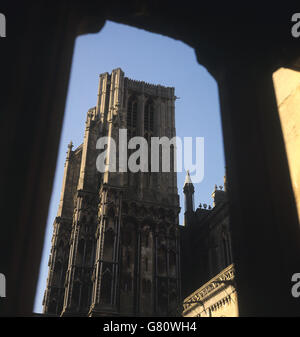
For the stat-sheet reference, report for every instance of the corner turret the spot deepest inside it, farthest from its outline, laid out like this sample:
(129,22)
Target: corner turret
(188,190)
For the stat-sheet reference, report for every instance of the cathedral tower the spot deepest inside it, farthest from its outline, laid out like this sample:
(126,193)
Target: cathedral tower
(115,245)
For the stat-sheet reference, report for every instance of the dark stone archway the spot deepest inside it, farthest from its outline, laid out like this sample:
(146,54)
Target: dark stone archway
(240,47)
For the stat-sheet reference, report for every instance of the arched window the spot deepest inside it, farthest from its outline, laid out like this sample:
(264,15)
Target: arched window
(131,129)
(148,131)
(80,251)
(128,259)
(57,273)
(148,116)
(172,157)
(226,248)
(106,286)
(162,296)
(128,283)
(85,296)
(127,236)
(173,301)
(75,295)
(109,239)
(172,262)
(89,252)
(131,113)
(146,239)
(146,286)
(60,249)
(161,260)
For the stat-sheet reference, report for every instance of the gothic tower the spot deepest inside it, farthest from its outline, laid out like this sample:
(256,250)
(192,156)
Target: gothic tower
(115,246)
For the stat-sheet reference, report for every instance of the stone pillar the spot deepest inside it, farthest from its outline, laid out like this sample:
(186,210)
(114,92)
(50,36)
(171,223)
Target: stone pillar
(168,130)
(69,282)
(83,167)
(140,115)
(265,229)
(54,292)
(116,258)
(137,274)
(107,262)
(102,95)
(140,132)
(173,134)
(158,129)
(66,172)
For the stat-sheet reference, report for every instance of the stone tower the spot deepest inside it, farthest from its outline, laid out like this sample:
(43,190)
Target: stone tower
(115,246)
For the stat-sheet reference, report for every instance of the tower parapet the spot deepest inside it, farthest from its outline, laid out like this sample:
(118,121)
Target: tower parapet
(150,89)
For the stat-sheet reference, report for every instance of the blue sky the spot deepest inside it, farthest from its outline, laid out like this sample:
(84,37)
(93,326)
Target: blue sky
(151,58)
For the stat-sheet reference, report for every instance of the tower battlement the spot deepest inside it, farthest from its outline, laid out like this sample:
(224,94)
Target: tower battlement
(150,89)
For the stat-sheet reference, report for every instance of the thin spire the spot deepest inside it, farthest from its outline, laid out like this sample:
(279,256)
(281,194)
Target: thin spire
(70,145)
(188,179)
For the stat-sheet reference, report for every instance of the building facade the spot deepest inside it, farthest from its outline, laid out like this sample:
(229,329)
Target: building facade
(215,298)
(208,284)
(115,245)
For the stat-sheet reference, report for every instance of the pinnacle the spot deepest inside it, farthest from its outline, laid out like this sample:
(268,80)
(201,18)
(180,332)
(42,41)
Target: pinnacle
(188,179)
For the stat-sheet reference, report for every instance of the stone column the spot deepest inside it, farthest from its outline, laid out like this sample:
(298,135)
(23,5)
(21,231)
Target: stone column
(102,95)
(140,115)
(117,255)
(72,264)
(66,172)
(264,224)
(173,134)
(158,128)
(140,132)
(137,274)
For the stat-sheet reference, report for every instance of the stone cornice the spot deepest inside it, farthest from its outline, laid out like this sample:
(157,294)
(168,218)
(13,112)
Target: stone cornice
(214,285)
